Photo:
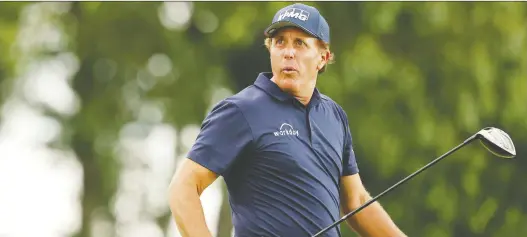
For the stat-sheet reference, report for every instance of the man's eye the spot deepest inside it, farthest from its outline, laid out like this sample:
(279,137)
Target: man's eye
(279,41)
(299,42)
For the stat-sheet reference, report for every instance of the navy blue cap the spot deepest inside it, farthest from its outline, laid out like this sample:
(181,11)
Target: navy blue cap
(302,16)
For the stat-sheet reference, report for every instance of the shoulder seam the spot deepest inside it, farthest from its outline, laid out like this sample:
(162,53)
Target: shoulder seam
(245,118)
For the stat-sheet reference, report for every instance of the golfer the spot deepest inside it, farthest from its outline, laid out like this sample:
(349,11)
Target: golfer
(283,148)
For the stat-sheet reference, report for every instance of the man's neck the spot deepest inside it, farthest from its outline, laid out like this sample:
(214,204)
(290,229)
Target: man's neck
(302,94)
(303,99)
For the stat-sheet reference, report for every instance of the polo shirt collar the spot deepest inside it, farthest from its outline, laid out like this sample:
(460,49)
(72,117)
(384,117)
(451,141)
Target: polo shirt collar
(263,81)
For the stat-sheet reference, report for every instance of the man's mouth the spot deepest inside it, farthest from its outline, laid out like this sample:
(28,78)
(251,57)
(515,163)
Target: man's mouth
(289,69)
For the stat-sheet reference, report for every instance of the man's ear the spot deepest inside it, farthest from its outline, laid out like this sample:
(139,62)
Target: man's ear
(324,56)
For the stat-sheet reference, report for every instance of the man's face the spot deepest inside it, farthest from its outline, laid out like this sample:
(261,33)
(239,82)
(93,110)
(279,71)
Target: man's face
(296,58)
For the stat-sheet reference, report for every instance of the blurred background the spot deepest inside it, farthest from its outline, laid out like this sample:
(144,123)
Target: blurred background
(101,101)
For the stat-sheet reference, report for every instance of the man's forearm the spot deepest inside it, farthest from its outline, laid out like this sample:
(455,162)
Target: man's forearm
(373,221)
(188,212)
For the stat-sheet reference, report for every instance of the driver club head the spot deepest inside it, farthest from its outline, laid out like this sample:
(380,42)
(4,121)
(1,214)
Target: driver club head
(497,142)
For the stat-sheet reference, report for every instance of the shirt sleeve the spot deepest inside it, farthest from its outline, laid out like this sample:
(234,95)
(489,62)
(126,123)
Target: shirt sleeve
(350,166)
(224,134)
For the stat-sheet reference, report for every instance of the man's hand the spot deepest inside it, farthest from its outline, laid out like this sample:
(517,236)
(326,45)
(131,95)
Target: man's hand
(372,221)
(185,189)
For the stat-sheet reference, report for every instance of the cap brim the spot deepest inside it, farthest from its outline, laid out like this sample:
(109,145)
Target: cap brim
(273,28)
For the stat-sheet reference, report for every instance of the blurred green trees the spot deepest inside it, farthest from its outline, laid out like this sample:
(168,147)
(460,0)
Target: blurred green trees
(416,79)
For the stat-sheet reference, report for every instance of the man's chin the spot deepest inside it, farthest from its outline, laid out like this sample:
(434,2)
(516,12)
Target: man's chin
(292,75)
(288,84)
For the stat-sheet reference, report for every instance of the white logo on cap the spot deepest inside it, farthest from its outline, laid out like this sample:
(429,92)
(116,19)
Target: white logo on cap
(294,13)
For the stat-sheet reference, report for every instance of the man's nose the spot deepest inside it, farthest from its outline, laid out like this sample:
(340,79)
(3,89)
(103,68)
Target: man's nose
(289,52)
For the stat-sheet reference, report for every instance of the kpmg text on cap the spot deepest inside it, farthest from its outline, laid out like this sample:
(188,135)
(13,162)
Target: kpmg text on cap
(294,13)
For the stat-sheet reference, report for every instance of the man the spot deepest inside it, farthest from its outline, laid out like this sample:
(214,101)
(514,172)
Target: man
(283,148)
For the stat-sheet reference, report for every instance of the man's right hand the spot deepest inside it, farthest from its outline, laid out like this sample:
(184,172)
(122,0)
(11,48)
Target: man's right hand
(185,190)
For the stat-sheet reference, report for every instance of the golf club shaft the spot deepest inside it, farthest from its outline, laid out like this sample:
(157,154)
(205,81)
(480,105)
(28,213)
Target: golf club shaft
(394,186)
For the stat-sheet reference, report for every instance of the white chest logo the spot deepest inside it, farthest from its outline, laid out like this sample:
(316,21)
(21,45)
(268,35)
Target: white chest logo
(286,130)
(294,13)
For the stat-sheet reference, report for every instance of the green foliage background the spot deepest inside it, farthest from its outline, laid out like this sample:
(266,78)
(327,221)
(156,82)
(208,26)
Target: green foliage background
(416,79)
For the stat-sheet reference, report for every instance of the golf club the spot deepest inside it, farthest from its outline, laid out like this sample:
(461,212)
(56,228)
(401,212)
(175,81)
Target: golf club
(493,139)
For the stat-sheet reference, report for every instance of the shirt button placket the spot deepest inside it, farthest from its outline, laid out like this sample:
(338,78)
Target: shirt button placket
(309,130)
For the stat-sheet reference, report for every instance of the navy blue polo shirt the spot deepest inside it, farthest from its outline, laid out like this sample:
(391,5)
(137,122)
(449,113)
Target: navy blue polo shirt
(281,161)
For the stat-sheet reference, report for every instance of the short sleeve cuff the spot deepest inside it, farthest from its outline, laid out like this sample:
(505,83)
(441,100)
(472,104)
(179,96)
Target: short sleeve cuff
(350,171)
(223,136)
(205,161)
